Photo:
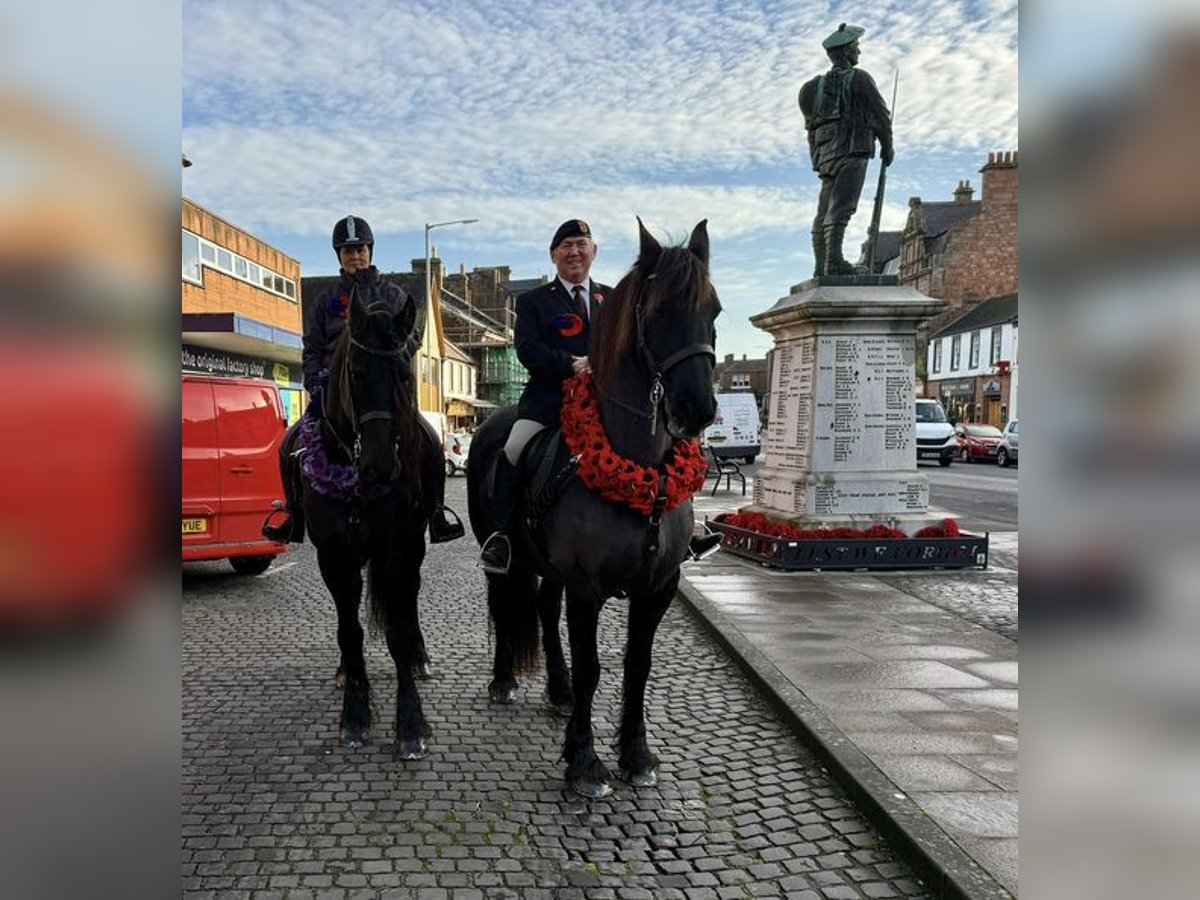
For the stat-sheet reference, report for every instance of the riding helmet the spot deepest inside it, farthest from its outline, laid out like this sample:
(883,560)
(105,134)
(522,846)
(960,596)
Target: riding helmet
(352,232)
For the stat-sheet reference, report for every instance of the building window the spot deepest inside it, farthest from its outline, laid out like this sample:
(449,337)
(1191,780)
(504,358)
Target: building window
(224,259)
(955,352)
(973,360)
(191,258)
(208,253)
(239,267)
(739,382)
(995,352)
(937,356)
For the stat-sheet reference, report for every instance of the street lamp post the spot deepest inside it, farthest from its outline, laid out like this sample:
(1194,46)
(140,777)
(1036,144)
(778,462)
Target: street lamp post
(429,285)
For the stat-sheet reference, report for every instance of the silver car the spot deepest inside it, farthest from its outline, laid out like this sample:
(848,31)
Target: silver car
(1006,450)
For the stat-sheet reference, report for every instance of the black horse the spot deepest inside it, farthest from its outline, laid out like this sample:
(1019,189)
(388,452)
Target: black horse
(652,355)
(364,506)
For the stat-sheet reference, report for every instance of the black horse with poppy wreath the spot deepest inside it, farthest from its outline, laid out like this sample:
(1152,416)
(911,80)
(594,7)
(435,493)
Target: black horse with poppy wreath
(621,524)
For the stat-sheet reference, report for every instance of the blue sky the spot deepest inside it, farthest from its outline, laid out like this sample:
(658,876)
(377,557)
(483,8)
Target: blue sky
(522,115)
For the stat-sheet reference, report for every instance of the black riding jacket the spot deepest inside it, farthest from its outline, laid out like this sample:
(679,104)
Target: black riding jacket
(327,319)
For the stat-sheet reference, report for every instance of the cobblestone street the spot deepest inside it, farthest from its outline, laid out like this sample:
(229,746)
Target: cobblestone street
(273,806)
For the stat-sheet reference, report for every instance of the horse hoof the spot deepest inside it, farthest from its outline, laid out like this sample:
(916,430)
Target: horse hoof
(646,779)
(410,748)
(589,789)
(505,695)
(422,670)
(353,737)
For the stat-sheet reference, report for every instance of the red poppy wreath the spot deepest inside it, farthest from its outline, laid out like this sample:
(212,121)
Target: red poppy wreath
(612,476)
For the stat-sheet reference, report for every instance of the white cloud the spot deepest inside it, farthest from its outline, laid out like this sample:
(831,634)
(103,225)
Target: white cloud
(522,114)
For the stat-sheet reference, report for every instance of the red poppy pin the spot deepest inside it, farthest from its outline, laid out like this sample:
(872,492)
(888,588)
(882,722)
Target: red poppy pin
(568,324)
(597,296)
(339,306)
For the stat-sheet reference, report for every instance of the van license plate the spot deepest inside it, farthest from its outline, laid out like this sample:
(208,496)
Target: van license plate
(195,526)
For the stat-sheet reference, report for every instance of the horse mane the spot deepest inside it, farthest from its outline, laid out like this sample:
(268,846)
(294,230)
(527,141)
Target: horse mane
(679,276)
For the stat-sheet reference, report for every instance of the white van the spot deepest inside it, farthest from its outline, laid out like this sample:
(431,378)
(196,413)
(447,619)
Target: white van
(736,431)
(935,435)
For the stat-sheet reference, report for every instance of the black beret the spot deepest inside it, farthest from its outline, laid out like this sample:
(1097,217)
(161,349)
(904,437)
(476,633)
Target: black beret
(569,229)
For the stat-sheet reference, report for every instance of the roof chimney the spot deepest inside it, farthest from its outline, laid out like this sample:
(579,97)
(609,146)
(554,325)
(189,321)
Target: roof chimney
(1000,180)
(728,358)
(964,192)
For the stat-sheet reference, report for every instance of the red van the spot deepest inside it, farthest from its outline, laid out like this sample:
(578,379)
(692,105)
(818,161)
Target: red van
(231,433)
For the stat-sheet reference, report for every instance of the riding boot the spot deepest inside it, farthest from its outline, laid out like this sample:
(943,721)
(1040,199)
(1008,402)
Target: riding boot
(835,263)
(497,551)
(818,244)
(291,529)
(441,529)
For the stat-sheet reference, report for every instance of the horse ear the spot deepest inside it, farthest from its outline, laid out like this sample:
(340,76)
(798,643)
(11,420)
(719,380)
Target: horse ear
(649,249)
(698,242)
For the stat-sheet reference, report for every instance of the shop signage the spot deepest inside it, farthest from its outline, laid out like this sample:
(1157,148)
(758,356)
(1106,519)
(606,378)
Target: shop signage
(991,386)
(219,362)
(962,387)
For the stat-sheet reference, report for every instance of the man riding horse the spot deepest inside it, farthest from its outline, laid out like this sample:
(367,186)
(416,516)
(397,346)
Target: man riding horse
(554,322)
(354,245)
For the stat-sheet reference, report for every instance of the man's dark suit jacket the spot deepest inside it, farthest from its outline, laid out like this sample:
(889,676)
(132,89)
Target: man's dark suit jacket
(549,332)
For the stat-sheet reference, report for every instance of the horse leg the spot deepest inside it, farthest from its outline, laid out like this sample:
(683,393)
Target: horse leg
(395,585)
(344,580)
(639,767)
(585,775)
(507,595)
(421,662)
(558,676)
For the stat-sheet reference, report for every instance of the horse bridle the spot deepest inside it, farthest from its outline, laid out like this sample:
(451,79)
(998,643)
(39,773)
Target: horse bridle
(657,370)
(357,421)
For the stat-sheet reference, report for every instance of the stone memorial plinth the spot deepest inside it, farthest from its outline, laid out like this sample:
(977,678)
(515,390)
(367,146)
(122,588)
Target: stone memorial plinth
(840,448)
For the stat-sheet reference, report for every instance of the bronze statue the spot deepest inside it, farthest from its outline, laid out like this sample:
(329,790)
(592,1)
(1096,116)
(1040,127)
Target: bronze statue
(844,116)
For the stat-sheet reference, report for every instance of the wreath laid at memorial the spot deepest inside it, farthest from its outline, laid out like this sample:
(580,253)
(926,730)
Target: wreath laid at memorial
(761,524)
(611,475)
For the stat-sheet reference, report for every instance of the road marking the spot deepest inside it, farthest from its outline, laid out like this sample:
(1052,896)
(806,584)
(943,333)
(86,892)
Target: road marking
(275,570)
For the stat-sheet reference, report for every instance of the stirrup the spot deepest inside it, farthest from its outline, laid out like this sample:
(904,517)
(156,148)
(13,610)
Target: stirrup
(703,546)
(498,542)
(281,533)
(446,530)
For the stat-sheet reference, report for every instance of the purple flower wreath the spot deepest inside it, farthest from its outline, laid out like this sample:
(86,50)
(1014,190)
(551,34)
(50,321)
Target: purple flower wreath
(332,480)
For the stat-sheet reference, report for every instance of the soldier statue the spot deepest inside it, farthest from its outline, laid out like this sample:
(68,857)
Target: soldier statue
(844,116)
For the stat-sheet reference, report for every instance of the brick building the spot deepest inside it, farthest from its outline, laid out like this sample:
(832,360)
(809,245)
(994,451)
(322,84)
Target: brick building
(962,250)
(241,305)
(734,375)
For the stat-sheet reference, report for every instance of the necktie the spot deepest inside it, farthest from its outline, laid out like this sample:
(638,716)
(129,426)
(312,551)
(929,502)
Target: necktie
(580,303)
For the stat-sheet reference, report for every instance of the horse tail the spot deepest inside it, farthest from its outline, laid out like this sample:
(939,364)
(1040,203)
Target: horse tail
(512,604)
(376,604)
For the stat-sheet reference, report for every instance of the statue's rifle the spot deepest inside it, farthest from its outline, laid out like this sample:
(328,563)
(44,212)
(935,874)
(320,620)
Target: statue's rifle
(877,211)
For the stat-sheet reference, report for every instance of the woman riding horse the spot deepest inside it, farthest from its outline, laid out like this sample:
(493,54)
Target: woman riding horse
(627,530)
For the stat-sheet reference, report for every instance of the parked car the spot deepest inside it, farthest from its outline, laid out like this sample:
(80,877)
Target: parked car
(736,431)
(935,435)
(977,441)
(458,446)
(1006,450)
(230,475)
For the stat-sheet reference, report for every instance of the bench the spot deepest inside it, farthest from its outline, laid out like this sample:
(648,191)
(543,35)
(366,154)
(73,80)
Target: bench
(724,468)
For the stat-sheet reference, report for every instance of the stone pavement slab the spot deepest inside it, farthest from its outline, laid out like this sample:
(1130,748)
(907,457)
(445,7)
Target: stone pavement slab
(914,705)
